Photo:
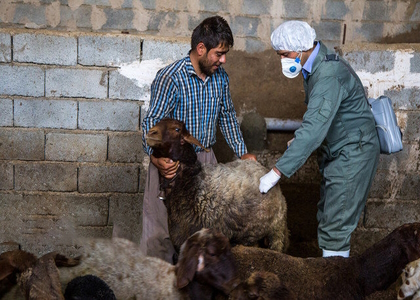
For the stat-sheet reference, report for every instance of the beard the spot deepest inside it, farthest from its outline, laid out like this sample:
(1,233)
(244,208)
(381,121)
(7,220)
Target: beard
(206,67)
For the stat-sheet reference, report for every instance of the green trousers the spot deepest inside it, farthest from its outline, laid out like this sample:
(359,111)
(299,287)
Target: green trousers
(347,173)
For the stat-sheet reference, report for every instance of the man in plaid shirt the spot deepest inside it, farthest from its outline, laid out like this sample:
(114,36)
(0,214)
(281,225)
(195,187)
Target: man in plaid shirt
(195,90)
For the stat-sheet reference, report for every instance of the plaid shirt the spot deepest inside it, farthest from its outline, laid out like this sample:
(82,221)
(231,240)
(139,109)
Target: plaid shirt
(177,92)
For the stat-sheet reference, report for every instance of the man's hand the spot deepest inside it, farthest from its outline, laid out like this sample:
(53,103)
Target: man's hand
(249,156)
(269,180)
(167,168)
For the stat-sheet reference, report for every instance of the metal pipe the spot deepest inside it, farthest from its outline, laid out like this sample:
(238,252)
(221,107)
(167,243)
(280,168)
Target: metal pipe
(282,124)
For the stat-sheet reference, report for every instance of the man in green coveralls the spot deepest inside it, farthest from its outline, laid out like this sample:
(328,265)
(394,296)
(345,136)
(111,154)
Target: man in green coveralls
(338,123)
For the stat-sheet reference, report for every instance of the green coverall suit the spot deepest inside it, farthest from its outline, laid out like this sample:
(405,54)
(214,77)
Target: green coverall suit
(339,123)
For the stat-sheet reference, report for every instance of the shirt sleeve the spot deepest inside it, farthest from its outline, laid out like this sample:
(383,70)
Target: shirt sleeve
(323,104)
(162,102)
(229,124)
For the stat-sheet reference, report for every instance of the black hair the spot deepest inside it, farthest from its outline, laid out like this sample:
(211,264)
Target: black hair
(211,32)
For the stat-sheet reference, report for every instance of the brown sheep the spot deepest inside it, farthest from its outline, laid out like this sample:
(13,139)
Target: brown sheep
(221,196)
(205,267)
(38,279)
(334,277)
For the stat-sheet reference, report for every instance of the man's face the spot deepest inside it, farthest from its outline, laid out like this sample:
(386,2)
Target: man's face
(212,59)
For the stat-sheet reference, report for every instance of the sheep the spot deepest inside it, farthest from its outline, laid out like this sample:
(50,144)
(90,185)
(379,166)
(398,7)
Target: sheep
(221,196)
(38,278)
(262,285)
(88,287)
(410,281)
(205,267)
(334,277)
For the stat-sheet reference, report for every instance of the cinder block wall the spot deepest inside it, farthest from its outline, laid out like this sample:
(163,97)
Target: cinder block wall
(394,199)
(71,158)
(74,84)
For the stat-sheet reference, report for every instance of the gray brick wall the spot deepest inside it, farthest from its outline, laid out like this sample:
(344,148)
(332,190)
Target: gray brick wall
(367,21)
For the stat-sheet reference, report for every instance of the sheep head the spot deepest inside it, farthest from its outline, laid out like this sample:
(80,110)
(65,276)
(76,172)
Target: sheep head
(206,257)
(170,138)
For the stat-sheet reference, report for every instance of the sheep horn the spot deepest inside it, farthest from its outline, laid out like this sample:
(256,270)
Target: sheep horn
(192,140)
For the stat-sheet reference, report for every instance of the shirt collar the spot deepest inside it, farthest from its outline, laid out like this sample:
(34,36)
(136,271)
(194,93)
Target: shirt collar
(307,67)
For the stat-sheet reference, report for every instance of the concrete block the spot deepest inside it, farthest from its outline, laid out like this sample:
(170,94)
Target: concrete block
(148,4)
(412,130)
(405,98)
(21,144)
(403,161)
(118,19)
(108,50)
(263,7)
(6,112)
(334,10)
(21,80)
(410,189)
(214,6)
(125,214)
(109,178)
(167,51)
(381,185)
(46,177)
(26,13)
(391,214)
(254,46)
(328,31)
(162,20)
(125,147)
(371,31)
(5,47)
(245,26)
(6,176)
(296,9)
(123,88)
(46,113)
(47,219)
(378,11)
(80,16)
(415,63)
(76,147)
(415,17)
(371,61)
(116,115)
(87,83)
(45,49)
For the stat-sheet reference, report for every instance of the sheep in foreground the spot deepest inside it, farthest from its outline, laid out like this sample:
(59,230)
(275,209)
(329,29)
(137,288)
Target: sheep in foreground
(410,281)
(221,196)
(37,278)
(205,267)
(335,277)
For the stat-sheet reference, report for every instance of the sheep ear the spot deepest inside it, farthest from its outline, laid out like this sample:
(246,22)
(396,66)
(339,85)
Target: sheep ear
(186,267)
(192,140)
(5,269)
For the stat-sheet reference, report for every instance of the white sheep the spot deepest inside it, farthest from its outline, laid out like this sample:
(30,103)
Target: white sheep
(221,196)
(410,281)
(205,267)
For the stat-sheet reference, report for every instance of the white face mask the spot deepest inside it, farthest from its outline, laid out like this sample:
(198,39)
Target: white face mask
(291,67)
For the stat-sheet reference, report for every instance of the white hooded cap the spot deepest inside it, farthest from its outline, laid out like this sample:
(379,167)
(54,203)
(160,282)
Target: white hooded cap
(293,36)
